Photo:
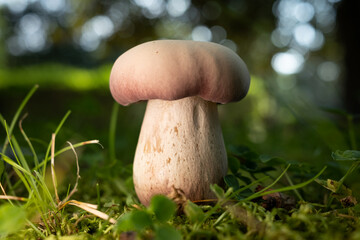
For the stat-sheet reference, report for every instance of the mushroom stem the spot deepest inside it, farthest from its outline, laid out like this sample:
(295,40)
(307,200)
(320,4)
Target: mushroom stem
(180,145)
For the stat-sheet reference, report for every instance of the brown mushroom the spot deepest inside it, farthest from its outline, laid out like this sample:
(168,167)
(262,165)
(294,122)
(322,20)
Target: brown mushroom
(181,143)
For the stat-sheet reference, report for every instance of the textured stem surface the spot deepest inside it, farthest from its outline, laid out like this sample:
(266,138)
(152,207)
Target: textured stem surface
(180,145)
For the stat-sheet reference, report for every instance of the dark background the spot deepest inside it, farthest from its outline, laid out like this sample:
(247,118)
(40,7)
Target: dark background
(302,56)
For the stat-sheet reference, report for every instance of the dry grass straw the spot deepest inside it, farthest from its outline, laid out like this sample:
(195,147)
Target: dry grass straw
(7,197)
(91,208)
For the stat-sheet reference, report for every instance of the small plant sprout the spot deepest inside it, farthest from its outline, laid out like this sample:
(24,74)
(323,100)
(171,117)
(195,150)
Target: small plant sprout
(180,144)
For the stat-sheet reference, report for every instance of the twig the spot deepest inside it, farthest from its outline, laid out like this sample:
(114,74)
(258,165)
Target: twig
(85,206)
(91,208)
(2,189)
(53,167)
(74,190)
(7,197)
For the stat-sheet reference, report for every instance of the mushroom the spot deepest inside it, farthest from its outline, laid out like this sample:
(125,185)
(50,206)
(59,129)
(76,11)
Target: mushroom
(180,144)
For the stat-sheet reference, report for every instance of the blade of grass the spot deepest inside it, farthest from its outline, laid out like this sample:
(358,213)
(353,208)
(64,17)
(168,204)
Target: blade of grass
(25,180)
(36,160)
(43,204)
(112,132)
(9,185)
(49,146)
(352,168)
(17,114)
(276,180)
(284,189)
(292,184)
(219,203)
(15,165)
(209,213)
(36,229)
(249,185)
(19,154)
(8,136)
(22,163)
(2,119)
(40,208)
(219,219)
(18,170)
(30,179)
(46,191)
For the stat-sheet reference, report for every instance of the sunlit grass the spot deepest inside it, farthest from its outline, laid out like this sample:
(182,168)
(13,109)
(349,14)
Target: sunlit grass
(40,200)
(265,197)
(56,76)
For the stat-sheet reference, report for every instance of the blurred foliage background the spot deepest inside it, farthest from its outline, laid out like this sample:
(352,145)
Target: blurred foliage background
(302,55)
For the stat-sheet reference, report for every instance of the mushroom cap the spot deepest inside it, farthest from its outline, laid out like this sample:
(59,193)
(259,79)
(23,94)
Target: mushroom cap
(175,69)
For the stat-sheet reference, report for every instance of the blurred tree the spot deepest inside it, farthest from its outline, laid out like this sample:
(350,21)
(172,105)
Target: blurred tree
(292,37)
(2,40)
(349,33)
(289,46)
(87,33)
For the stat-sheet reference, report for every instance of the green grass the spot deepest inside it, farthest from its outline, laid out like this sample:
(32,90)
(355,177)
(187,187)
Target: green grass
(266,197)
(53,75)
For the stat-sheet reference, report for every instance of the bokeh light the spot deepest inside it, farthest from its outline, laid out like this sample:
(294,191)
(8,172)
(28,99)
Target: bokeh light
(230,44)
(304,11)
(201,33)
(279,39)
(30,36)
(290,62)
(53,6)
(304,34)
(218,33)
(15,6)
(94,31)
(151,8)
(301,26)
(328,71)
(177,8)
